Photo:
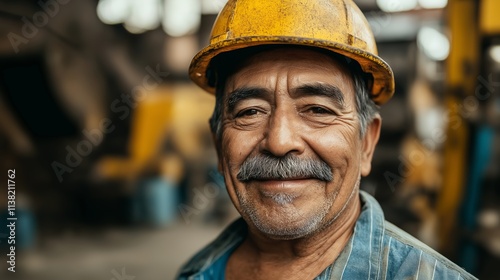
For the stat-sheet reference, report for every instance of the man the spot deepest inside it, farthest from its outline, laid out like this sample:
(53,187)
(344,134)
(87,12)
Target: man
(295,127)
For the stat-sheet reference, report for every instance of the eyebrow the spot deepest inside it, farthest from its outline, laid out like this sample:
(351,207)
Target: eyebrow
(241,94)
(330,91)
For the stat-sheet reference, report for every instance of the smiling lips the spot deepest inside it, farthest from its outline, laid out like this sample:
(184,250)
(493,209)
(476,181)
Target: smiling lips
(286,181)
(282,191)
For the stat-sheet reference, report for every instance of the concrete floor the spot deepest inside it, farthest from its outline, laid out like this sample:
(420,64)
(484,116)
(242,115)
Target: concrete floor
(117,254)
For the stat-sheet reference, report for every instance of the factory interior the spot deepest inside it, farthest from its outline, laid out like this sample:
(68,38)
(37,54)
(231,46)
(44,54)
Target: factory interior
(115,167)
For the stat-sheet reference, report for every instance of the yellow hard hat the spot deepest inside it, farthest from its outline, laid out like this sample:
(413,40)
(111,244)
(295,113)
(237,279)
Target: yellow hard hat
(335,25)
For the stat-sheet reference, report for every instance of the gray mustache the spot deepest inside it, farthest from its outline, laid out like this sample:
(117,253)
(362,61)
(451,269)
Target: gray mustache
(268,167)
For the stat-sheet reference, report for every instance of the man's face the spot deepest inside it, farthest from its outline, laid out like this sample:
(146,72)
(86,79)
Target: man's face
(290,149)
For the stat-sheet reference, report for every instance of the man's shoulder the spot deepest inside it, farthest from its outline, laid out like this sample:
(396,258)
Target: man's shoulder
(406,252)
(381,250)
(227,240)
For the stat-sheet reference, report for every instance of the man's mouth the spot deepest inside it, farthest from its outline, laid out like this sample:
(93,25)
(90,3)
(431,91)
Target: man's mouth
(283,185)
(280,179)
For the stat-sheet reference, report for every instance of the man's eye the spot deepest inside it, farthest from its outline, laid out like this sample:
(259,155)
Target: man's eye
(247,113)
(319,110)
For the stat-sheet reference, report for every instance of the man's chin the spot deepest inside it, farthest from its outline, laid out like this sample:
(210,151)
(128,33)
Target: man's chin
(286,229)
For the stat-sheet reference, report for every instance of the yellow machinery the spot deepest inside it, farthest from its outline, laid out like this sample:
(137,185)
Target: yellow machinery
(175,114)
(152,118)
(468,29)
(462,71)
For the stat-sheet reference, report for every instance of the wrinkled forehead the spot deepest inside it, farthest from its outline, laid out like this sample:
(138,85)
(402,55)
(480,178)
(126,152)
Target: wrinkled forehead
(292,56)
(267,56)
(294,70)
(298,61)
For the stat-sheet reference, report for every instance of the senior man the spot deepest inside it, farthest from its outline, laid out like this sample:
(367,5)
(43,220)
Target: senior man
(297,85)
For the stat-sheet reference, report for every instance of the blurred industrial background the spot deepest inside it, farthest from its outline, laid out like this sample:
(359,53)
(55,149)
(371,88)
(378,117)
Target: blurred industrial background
(116,175)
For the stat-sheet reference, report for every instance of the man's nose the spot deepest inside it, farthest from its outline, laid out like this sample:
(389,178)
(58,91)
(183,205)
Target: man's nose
(283,134)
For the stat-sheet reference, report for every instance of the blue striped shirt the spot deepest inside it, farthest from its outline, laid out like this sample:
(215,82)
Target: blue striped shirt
(377,250)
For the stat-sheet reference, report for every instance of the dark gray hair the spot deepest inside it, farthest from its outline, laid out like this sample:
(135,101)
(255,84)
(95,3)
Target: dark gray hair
(366,108)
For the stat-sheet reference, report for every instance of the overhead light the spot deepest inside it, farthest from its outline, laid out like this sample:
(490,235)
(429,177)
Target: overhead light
(181,18)
(433,43)
(144,15)
(397,27)
(397,5)
(113,11)
(212,7)
(432,4)
(495,53)
(133,29)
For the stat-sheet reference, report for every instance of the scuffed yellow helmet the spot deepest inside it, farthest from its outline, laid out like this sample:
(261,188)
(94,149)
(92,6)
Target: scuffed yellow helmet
(335,25)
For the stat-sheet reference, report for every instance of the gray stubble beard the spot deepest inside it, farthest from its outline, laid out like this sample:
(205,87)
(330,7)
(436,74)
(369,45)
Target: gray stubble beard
(288,231)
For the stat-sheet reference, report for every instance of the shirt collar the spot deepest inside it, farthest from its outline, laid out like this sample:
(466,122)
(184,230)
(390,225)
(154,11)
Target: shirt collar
(361,258)
(231,237)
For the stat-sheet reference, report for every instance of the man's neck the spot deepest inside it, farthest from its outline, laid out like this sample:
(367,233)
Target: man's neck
(298,258)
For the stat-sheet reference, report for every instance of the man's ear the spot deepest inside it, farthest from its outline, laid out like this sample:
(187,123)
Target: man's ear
(369,142)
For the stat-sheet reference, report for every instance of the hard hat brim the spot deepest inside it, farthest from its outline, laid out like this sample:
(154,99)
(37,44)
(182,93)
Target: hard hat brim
(381,89)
